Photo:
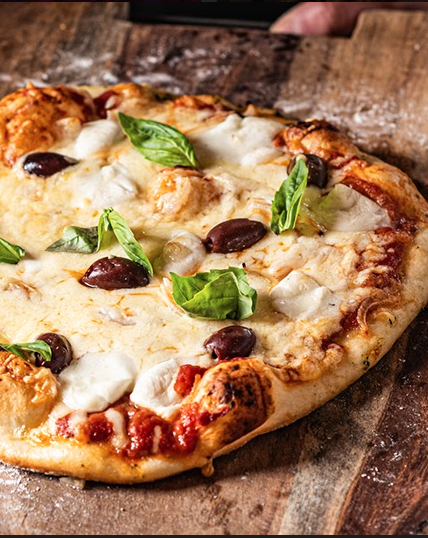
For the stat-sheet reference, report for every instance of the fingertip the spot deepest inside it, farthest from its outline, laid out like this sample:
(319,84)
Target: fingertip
(281,26)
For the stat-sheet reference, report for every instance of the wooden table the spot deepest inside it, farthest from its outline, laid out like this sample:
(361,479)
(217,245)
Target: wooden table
(359,465)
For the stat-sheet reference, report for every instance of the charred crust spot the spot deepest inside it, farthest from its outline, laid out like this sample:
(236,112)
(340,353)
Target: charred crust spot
(226,397)
(315,125)
(241,397)
(294,137)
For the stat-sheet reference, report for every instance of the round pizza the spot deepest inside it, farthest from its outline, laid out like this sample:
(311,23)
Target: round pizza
(179,275)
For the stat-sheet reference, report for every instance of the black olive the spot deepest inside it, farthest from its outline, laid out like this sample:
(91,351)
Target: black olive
(45,164)
(317,169)
(234,235)
(115,273)
(230,342)
(61,352)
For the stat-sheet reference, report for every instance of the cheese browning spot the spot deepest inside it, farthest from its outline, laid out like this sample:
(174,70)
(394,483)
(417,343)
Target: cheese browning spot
(180,193)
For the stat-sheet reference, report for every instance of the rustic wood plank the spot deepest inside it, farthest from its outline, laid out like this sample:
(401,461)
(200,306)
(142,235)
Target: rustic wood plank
(396,467)
(213,60)
(84,44)
(312,477)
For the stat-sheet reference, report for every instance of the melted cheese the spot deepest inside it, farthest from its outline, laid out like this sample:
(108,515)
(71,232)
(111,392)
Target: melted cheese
(245,141)
(117,420)
(181,254)
(300,297)
(96,136)
(346,210)
(97,380)
(101,187)
(122,338)
(154,388)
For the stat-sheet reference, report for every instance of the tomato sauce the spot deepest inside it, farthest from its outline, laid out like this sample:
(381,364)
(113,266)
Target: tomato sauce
(186,378)
(148,433)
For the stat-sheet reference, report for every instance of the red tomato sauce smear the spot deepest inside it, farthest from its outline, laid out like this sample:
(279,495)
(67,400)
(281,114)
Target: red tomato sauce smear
(146,432)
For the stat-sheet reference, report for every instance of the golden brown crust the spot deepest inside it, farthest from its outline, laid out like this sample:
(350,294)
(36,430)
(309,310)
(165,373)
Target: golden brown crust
(27,393)
(318,137)
(28,117)
(91,461)
(238,394)
(199,102)
(129,96)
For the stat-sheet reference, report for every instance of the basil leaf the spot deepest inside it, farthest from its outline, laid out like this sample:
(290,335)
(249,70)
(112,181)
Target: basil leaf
(287,199)
(127,240)
(21,350)
(219,294)
(104,227)
(89,240)
(158,142)
(75,239)
(10,253)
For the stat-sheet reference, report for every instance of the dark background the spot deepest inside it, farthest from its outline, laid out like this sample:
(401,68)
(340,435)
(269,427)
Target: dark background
(230,14)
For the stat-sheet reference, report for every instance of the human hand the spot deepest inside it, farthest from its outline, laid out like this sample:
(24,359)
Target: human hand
(332,18)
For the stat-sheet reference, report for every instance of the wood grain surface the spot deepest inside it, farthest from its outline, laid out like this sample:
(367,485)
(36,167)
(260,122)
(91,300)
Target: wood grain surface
(359,464)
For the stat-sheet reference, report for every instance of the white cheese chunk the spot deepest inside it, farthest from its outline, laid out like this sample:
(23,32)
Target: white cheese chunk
(346,210)
(300,297)
(96,136)
(109,186)
(96,380)
(154,388)
(246,141)
(181,254)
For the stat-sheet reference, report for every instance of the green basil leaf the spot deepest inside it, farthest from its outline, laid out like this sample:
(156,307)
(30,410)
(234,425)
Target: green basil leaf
(10,253)
(104,227)
(75,239)
(158,142)
(287,199)
(22,350)
(89,240)
(219,294)
(127,240)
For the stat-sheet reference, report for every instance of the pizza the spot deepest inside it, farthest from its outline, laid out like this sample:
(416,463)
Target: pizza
(179,275)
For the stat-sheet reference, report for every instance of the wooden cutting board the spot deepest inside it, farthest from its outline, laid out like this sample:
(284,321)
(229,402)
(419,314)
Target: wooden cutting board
(359,465)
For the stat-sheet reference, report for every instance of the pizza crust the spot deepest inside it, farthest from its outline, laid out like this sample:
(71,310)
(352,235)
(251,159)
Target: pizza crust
(27,394)
(28,118)
(245,397)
